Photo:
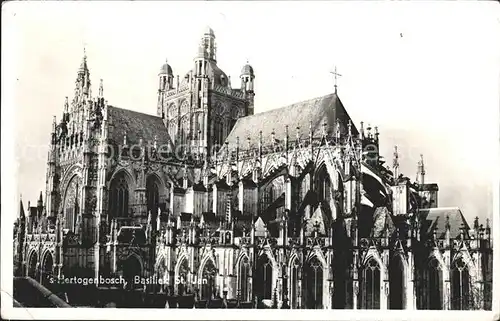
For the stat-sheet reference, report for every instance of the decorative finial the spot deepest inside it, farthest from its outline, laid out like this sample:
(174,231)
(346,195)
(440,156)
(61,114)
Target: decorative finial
(125,139)
(324,128)
(349,128)
(395,161)
(101,88)
(362,130)
(66,105)
(369,131)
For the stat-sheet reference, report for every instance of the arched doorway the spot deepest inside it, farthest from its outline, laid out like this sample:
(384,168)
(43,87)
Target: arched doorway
(264,279)
(314,284)
(207,282)
(244,279)
(32,265)
(370,294)
(182,277)
(132,268)
(294,284)
(47,266)
(460,286)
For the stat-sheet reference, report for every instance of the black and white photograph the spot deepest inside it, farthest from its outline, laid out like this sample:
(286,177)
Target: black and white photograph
(291,155)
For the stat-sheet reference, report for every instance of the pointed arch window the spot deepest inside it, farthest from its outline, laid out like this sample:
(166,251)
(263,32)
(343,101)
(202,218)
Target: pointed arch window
(396,283)
(161,274)
(72,203)
(460,286)
(431,297)
(267,198)
(294,285)
(314,284)
(371,285)
(32,269)
(244,275)
(218,130)
(47,269)
(184,129)
(153,195)
(182,277)
(172,128)
(264,280)
(342,294)
(208,280)
(323,184)
(119,197)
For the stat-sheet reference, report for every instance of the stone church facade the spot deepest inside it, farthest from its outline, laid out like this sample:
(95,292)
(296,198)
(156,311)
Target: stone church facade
(291,208)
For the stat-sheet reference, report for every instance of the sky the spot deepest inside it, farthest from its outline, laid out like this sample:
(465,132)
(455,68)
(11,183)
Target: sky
(426,73)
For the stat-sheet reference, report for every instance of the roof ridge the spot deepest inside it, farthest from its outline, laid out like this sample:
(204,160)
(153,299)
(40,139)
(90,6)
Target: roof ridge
(133,111)
(289,105)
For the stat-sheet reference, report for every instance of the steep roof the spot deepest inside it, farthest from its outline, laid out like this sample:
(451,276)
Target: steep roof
(136,126)
(325,109)
(437,217)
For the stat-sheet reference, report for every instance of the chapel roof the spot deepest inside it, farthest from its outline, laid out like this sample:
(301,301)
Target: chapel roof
(325,109)
(136,125)
(436,217)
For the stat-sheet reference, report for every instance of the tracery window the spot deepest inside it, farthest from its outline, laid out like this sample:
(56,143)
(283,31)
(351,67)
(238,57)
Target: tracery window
(119,197)
(172,128)
(72,203)
(267,198)
(460,286)
(323,184)
(371,285)
(294,285)
(208,280)
(314,284)
(218,126)
(431,289)
(182,277)
(264,280)
(244,274)
(153,195)
(184,129)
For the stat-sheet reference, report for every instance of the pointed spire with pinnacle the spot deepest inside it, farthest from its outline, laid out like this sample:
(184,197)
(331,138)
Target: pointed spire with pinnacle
(101,89)
(395,162)
(83,76)
(421,170)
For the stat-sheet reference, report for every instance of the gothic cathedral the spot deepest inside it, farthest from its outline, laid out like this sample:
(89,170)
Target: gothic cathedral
(207,204)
